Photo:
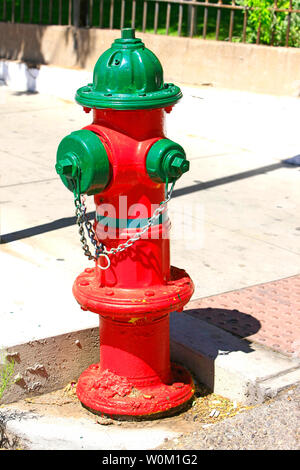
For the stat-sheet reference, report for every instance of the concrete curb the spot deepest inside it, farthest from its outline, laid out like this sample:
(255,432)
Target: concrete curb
(232,367)
(229,366)
(48,364)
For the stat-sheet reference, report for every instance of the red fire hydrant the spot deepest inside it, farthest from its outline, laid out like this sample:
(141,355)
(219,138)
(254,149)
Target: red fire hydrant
(124,159)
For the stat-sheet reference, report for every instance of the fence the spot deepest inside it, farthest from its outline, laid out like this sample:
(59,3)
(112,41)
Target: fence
(230,20)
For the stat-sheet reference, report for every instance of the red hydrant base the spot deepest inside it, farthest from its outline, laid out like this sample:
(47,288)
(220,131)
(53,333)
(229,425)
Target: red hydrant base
(108,394)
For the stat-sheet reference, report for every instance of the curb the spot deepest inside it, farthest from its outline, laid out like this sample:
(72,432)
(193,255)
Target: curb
(232,367)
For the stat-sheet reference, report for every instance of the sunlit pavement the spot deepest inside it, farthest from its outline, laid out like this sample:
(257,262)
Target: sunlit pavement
(235,215)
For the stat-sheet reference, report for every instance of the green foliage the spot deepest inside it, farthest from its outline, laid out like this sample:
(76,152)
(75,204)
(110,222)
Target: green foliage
(282,26)
(260,17)
(6,372)
(272,26)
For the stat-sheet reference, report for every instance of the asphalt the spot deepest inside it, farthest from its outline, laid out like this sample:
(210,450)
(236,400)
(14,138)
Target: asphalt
(273,425)
(239,202)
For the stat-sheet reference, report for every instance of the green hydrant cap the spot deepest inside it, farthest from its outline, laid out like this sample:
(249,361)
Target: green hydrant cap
(166,161)
(128,76)
(82,159)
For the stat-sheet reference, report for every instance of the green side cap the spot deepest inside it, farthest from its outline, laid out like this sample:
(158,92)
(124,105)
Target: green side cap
(82,161)
(128,76)
(166,161)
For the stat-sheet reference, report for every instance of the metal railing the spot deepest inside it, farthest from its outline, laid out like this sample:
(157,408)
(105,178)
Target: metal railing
(213,19)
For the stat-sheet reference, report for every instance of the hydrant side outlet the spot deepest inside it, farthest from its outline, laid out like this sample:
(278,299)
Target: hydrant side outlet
(166,161)
(124,159)
(82,158)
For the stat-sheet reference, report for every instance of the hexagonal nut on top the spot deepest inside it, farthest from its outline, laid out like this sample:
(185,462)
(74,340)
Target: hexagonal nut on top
(166,161)
(82,162)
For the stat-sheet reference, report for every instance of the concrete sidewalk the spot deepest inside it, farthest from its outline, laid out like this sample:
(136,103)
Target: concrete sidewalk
(240,206)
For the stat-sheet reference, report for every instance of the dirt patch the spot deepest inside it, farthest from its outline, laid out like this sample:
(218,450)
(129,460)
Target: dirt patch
(206,408)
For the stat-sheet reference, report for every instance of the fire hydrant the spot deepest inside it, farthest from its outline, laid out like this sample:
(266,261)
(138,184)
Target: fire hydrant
(124,159)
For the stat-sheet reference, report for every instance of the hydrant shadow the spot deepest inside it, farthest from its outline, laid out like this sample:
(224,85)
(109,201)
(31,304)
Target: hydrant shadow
(236,322)
(208,340)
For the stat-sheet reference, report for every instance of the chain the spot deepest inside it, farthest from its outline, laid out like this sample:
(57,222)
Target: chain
(84,223)
(100,250)
(146,227)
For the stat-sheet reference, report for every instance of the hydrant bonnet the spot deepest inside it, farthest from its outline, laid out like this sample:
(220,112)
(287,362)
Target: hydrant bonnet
(128,76)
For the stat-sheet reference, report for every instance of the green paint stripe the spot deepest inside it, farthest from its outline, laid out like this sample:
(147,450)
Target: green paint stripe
(129,223)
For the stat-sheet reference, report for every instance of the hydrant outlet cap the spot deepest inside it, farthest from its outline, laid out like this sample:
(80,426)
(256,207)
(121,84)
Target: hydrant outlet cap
(82,162)
(128,76)
(166,161)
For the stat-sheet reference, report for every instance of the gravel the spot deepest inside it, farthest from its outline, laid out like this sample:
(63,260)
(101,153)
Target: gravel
(274,425)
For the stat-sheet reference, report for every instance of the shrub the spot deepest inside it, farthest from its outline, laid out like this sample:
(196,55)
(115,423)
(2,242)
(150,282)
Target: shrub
(273,25)
(6,372)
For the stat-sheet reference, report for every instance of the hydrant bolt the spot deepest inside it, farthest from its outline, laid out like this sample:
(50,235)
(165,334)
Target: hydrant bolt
(180,165)
(67,167)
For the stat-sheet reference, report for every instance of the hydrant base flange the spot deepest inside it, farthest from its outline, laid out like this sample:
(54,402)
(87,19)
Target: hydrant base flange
(107,394)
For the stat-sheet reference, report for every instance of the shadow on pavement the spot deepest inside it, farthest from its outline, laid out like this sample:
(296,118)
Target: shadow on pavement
(68,221)
(228,179)
(39,229)
(208,343)
(238,323)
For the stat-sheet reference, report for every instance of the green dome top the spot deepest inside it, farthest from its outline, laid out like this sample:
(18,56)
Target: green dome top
(128,76)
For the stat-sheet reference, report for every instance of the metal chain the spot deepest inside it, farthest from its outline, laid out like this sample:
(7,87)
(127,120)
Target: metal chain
(100,249)
(83,222)
(146,227)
